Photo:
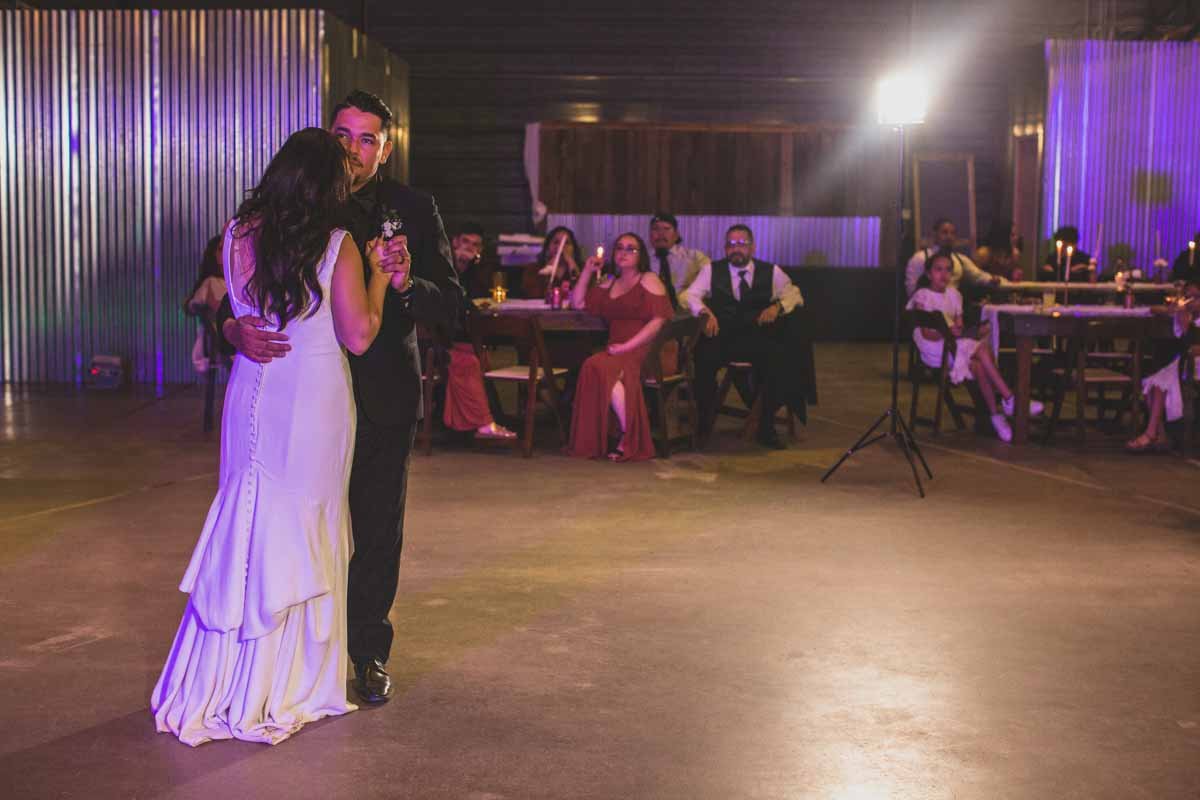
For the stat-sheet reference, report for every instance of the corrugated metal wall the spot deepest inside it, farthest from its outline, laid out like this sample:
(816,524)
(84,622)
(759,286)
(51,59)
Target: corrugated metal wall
(1123,145)
(126,139)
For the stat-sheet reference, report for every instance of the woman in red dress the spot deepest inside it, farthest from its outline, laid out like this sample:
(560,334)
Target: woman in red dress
(635,305)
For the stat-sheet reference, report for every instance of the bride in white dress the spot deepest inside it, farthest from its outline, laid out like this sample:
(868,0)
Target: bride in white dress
(261,649)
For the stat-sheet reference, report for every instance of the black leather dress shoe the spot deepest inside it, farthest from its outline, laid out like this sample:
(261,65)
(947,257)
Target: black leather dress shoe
(372,682)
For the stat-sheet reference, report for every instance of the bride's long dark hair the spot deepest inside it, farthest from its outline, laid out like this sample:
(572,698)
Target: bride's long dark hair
(290,214)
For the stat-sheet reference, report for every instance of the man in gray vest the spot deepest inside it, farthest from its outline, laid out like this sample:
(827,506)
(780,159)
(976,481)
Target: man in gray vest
(748,306)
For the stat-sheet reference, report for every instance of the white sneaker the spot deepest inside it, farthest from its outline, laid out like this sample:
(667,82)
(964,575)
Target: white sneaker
(1009,404)
(1000,424)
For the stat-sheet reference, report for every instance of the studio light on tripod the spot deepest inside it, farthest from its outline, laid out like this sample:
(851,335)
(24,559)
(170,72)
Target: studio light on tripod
(901,100)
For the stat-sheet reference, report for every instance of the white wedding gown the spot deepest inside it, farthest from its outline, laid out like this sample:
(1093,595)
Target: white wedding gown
(261,649)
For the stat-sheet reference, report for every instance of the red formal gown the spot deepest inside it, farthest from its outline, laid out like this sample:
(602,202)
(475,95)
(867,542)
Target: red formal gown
(626,315)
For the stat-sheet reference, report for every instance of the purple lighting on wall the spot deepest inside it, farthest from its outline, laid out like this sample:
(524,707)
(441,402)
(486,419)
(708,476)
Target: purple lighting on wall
(1123,144)
(136,119)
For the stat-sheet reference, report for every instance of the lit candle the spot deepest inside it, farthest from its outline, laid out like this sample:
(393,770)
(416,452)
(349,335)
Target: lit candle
(1058,243)
(1191,254)
(1067,269)
(600,252)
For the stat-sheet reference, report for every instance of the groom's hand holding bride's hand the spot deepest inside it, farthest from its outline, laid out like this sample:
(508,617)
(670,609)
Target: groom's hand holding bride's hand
(392,256)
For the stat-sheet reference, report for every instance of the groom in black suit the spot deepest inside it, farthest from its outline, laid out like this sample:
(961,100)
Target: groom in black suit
(387,378)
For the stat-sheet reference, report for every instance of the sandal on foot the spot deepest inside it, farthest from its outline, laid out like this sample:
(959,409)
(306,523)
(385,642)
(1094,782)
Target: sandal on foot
(494,431)
(1144,444)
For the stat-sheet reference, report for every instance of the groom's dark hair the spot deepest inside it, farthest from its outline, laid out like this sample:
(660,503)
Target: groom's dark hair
(368,103)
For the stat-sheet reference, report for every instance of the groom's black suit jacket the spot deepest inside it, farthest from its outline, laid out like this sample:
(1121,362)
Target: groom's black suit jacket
(387,378)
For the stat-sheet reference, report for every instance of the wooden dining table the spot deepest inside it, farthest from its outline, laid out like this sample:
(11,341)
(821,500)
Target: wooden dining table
(1027,323)
(551,319)
(1054,291)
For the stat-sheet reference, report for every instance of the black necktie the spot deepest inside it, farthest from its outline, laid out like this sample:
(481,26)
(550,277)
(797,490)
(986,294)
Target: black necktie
(743,285)
(664,272)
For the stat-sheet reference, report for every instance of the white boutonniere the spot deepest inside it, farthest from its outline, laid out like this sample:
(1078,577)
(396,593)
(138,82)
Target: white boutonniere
(391,225)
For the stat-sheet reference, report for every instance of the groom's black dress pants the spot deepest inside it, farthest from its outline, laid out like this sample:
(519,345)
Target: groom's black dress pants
(378,485)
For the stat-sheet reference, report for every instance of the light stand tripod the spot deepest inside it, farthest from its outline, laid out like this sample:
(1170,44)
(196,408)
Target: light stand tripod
(898,429)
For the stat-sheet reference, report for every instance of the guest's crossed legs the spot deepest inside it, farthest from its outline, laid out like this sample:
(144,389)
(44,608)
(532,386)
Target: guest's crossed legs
(991,382)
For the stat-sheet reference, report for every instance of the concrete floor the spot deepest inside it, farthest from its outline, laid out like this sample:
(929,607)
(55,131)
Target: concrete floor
(719,625)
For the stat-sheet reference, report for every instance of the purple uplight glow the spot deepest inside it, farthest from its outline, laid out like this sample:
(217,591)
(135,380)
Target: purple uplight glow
(1123,144)
(100,238)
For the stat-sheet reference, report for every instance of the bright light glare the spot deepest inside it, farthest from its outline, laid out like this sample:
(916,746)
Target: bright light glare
(903,99)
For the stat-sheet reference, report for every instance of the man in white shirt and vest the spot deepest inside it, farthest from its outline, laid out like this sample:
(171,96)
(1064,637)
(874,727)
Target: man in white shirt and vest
(748,306)
(945,237)
(677,266)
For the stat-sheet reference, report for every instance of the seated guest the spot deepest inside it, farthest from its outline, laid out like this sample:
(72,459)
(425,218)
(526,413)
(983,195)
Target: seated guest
(209,289)
(1187,263)
(748,317)
(476,274)
(999,254)
(677,266)
(972,358)
(466,407)
(535,281)
(1052,266)
(945,237)
(205,298)
(634,303)
(1163,393)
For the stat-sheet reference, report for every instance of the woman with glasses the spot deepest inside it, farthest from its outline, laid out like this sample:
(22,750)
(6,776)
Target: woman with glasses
(634,304)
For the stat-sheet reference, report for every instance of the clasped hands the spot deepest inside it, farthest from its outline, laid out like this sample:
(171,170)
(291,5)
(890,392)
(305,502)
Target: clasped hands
(391,257)
(766,317)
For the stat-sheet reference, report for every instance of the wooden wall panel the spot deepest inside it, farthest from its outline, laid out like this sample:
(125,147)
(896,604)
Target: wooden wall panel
(709,169)
(824,170)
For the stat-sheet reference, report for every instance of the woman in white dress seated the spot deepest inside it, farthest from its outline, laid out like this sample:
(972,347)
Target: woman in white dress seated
(972,359)
(261,649)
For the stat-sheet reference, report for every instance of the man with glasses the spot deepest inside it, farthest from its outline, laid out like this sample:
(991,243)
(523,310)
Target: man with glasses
(677,266)
(747,309)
